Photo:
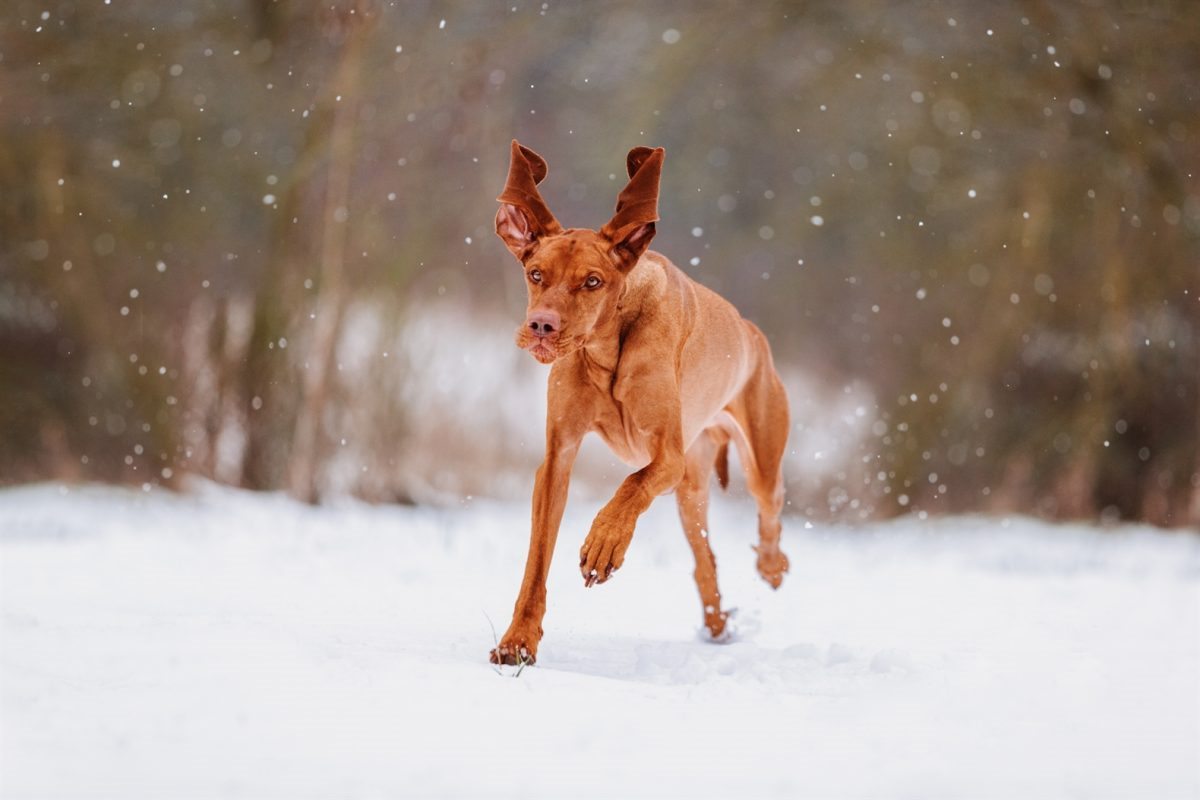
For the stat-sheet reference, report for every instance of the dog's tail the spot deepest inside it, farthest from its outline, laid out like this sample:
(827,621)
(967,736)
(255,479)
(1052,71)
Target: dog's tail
(722,466)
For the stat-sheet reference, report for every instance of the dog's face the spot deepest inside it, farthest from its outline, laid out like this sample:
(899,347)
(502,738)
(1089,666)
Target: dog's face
(575,280)
(575,277)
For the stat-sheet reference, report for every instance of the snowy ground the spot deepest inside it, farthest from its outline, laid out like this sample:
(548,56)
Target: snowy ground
(221,644)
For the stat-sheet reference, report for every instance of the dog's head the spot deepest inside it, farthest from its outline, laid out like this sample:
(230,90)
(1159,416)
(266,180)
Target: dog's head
(575,276)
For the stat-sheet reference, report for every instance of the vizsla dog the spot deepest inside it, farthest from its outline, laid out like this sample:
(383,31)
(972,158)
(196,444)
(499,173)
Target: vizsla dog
(663,369)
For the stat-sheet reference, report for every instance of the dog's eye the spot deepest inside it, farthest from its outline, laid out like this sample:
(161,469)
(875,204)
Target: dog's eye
(592,282)
(535,275)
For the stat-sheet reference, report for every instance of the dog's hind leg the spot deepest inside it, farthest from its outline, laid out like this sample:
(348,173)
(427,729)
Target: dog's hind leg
(692,496)
(761,413)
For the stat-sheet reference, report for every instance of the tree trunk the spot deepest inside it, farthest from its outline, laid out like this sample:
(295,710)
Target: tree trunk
(306,440)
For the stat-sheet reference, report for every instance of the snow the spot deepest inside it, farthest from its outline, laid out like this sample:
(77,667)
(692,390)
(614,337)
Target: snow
(225,644)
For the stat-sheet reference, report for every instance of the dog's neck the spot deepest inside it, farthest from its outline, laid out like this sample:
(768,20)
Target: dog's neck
(602,351)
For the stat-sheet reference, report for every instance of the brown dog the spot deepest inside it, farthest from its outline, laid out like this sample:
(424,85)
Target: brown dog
(665,370)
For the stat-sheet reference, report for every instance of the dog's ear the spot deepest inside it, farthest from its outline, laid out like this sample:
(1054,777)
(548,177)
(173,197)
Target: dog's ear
(632,226)
(524,218)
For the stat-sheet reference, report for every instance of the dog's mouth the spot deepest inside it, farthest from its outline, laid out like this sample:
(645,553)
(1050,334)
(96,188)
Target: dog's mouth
(544,352)
(547,350)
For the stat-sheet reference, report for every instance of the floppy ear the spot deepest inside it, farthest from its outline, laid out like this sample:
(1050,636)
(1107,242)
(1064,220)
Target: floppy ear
(524,217)
(632,226)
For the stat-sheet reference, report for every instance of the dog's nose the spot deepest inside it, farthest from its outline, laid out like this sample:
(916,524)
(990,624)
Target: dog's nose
(544,323)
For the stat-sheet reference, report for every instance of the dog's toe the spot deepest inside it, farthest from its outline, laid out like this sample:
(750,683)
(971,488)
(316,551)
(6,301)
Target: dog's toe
(512,656)
(603,551)
(715,622)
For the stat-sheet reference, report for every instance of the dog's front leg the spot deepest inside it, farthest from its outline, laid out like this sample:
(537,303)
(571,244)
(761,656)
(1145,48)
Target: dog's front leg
(603,551)
(519,643)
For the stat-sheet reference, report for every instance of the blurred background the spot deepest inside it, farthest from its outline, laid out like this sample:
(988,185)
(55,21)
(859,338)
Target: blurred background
(252,241)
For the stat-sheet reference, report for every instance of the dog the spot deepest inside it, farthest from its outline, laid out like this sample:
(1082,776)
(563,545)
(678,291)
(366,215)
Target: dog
(665,370)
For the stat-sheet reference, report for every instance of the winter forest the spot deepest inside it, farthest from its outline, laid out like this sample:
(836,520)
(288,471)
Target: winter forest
(267,445)
(252,241)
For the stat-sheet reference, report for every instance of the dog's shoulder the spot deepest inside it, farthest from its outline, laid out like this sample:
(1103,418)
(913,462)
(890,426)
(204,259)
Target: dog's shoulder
(659,295)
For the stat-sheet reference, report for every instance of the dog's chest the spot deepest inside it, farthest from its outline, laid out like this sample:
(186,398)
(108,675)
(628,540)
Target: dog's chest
(615,426)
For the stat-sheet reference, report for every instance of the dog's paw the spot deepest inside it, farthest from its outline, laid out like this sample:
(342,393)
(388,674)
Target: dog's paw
(603,550)
(513,653)
(720,628)
(717,623)
(516,648)
(772,565)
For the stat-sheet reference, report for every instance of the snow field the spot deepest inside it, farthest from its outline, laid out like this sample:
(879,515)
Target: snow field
(226,644)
